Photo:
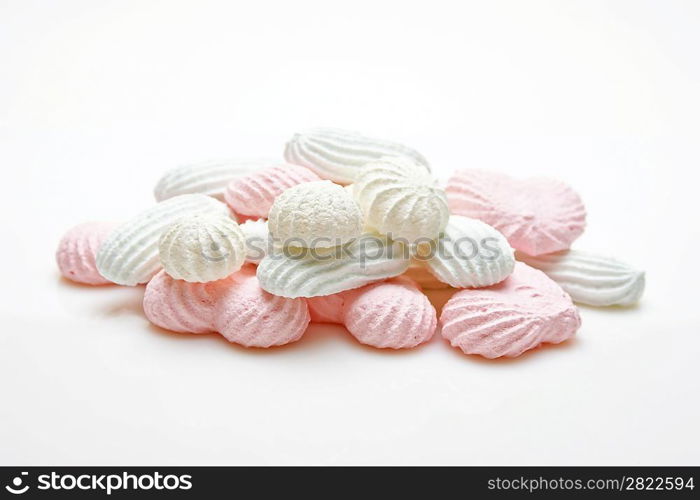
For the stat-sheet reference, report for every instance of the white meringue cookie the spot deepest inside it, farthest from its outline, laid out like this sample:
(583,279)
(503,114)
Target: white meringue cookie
(257,239)
(399,198)
(338,154)
(207,177)
(313,272)
(315,215)
(470,254)
(129,255)
(589,278)
(200,249)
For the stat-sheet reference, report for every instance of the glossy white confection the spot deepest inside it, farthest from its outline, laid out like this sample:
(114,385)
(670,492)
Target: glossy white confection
(200,248)
(590,278)
(207,177)
(257,239)
(317,214)
(399,198)
(470,254)
(338,154)
(129,255)
(324,272)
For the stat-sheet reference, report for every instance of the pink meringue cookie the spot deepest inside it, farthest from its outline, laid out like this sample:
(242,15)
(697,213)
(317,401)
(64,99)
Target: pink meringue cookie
(236,307)
(76,251)
(393,313)
(507,319)
(536,215)
(183,306)
(254,194)
(248,315)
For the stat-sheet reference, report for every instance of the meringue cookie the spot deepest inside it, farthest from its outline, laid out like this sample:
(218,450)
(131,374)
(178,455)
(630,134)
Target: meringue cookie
(315,215)
(537,215)
(589,278)
(470,254)
(338,154)
(209,177)
(129,255)
(393,314)
(399,198)
(201,248)
(76,251)
(257,240)
(249,316)
(235,307)
(507,319)
(254,194)
(183,306)
(311,273)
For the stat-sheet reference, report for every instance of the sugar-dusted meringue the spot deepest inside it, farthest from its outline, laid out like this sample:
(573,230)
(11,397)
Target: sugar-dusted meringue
(254,194)
(315,215)
(400,198)
(536,215)
(338,154)
(589,278)
(507,319)
(129,255)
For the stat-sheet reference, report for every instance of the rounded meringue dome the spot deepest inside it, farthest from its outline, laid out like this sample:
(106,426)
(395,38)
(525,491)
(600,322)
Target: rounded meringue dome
(202,248)
(315,215)
(400,198)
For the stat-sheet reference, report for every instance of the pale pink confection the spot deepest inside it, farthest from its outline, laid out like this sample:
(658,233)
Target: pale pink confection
(183,306)
(76,251)
(393,314)
(327,308)
(254,194)
(507,319)
(536,215)
(248,315)
(236,307)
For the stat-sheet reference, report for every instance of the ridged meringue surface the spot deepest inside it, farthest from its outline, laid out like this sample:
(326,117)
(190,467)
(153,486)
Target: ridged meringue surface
(470,254)
(392,314)
(337,155)
(200,248)
(257,239)
(589,278)
(129,255)
(507,319)
(208,177)
(76,252)
(400,198)
(315,215)
(254,194)
(309,274)
(250,316)
(236,307)
(182,306)
(537,215)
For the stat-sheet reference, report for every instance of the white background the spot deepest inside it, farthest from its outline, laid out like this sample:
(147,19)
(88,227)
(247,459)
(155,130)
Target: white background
(97,99)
